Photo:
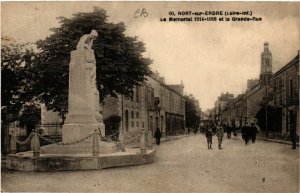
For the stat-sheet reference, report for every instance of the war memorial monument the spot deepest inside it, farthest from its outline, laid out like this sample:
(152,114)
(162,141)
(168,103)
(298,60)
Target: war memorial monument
(81,147)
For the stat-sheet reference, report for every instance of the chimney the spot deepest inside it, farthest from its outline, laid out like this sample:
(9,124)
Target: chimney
(162,79)
(266,46)
(156,75)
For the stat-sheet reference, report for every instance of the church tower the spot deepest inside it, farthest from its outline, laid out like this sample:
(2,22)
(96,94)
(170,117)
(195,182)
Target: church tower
(266,65)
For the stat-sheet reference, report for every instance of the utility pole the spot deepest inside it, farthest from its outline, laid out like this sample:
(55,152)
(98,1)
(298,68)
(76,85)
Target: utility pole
(267,132)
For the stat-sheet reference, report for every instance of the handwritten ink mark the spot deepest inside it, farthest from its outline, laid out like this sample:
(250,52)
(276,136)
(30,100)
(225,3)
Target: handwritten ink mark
(140,13)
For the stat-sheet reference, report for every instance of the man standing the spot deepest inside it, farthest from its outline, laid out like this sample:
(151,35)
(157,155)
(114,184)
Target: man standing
(253,132)
(208,135)
(245,133)
(157,136)
(220,133)
(228,130)
(293,135)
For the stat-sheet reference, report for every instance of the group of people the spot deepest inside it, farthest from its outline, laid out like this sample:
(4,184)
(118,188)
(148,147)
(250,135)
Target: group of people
(218,129)
(248,132)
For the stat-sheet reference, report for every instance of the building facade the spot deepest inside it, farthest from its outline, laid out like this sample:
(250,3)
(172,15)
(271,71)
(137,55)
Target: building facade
(251,83)
(285,86)
(235,111)
(153,105)
(221,105)
(259,94)
(280,91)
(245,107)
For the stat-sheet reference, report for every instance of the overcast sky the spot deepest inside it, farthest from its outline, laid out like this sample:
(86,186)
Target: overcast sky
(209,57)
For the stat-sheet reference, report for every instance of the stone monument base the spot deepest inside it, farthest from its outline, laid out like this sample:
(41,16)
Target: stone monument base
(75,131)
(57,162)
(85,147)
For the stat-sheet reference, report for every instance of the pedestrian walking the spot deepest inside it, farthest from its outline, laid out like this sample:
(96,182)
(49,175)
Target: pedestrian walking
(245,133)
(157,136)
(214,127)
(220,133)
(195,130)
(234,130)
(228,130)
(253,132)
(209,135)
(293,135)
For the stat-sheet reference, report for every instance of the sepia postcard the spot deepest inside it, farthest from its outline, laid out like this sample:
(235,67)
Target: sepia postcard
(150,96)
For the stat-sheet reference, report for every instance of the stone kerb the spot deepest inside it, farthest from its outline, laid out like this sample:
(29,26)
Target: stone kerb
(24,162)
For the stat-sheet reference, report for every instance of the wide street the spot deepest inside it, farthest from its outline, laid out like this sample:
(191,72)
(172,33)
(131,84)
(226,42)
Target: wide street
(182,165)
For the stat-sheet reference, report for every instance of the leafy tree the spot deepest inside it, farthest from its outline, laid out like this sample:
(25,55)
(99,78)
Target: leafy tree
(120,64)
(16,62)
(192,117)
(30,115)
(273,118)
(16,76)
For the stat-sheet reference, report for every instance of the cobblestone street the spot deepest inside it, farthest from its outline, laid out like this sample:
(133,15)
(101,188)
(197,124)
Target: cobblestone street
(182,165)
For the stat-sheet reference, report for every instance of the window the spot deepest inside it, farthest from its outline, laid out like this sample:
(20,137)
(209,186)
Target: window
(149,97)
(132,114)
(161,99)
(126,120)
(161,122)
(137,115)
(291,87)
(267,61)
(137,94)
(137,124)
(132,96)
(132,123)
(151,123)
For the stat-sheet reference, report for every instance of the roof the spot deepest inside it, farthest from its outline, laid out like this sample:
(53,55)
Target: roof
(288,65)
(166,86)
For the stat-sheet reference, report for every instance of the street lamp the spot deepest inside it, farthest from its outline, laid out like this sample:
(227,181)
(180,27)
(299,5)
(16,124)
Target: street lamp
(267,133)
(267,100)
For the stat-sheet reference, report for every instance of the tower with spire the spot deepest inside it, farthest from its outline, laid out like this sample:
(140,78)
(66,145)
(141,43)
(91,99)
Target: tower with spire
(266,65)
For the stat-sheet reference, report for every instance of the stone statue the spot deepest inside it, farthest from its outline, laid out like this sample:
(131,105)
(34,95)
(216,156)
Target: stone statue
(85,44)
(86,41)
(84,115)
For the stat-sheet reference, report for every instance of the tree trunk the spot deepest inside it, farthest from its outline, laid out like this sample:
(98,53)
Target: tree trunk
(5,139)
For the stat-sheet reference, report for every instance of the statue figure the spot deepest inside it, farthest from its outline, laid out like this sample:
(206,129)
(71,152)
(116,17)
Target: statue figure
(83,103)
(86,41)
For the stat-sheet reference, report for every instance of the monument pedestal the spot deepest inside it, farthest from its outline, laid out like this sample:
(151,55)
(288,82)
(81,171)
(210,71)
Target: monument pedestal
(76,131)
(85,147)
(83,116)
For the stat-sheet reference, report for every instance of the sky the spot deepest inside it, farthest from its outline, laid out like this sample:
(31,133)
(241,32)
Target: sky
(210,58)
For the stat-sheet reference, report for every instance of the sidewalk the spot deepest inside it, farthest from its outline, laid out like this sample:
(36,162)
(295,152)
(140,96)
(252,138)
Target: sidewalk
(3,163)
(277,141)
(163,139)
(168,138)
(269,140)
